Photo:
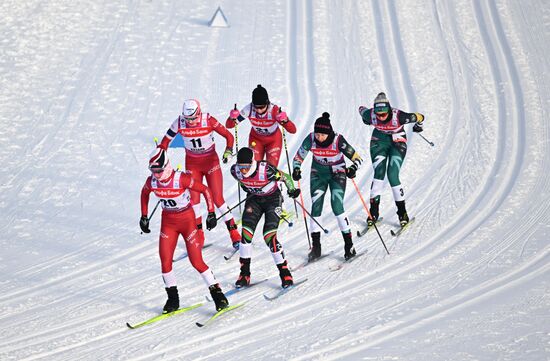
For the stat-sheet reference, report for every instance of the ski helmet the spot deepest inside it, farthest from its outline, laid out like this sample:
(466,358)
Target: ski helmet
(191,111)
(259,96)
(159,163)
(381,103)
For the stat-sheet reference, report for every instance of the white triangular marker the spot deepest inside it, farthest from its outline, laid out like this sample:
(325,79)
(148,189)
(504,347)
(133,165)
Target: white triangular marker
(219,20)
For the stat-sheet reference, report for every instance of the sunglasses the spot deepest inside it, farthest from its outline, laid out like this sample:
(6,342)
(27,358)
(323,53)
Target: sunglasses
(244,167)
(157,170)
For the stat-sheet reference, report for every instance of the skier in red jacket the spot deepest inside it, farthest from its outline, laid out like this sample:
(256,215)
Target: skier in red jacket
(265,136)
(173,189)
(201,160)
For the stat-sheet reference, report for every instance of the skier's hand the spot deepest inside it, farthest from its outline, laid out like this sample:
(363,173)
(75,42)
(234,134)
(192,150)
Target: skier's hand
(211,221)
(297,174)
(234,114)
(230,123)
(351,171)
(362,109)
(227,154)
(417,128)
(144,224)
(281,117)
(293,193)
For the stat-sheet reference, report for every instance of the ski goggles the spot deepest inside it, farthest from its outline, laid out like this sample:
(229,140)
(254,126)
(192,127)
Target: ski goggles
(260,107)
(381,109)
(244,167)
(156,170)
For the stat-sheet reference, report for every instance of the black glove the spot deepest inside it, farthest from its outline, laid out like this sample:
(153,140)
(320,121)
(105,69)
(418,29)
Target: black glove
(351,170)
(293,193)
(417,128)
(144,224)
(211,221)
(297,174)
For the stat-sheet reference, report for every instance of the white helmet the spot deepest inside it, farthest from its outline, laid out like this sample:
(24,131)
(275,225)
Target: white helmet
(159,163)
(191,111)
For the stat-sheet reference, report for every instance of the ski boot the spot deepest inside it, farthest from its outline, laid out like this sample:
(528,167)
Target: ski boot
(219,298)
(402,213)
(233,233)
(244,276)
(374,206)
(315,251)
(349,250)
(286,276)
(173,302)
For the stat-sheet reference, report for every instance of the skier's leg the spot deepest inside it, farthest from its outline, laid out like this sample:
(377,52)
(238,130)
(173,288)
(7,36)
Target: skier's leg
(251,216)
(318,185)
(272,208)
(379,155)
(214,179)
(197,174)
(397,156)
(337,191)
(257,146)
(167,244)
(273,149)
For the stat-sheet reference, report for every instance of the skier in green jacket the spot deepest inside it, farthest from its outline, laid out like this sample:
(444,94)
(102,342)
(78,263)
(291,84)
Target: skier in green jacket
(388,148)
(328,170)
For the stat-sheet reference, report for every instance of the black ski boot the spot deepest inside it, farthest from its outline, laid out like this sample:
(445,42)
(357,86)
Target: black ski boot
(349,250)
(244,276)
(402,213)
(315,251)
(173,302)
(374,207)
(219,298)
(286,276)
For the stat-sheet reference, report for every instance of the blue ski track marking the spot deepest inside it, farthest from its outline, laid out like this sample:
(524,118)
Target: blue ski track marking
(340,265)
(284,290)
(237,290)
(184,255)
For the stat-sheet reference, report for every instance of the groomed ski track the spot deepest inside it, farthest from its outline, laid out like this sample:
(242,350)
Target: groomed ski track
(469,280)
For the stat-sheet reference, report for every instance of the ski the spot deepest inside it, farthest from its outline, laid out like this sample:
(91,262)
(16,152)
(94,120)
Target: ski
(184,255)
(363,231)
(340,265)
(227,257)
(218,314)
(284,290)
(235,289)
(307,262)
(163,316)
(397,232)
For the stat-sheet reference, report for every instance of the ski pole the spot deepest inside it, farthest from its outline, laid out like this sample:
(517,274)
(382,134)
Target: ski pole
(237,151)
(288,163)
(232,208)
(427,141)
(304,214)
(310,216)
(158,202)
(368,213)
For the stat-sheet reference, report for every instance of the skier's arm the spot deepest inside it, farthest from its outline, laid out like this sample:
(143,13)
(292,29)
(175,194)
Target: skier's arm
(283,119)
(302,152)
(278,175)
(235,117)
(364,112)
(170,134)
(145,192)
(188,182)
(408,118)
(221,130)
(349,151)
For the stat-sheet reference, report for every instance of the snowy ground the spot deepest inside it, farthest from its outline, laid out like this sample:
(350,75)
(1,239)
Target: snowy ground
(86,85)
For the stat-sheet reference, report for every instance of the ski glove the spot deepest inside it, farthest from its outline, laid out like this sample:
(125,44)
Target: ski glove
(281,117)
(362,109)
(293,193)
(227,154)
(211,221)
(351,170)
(296,174)
(230,123)
(234,114)
(417,128)
(144,224)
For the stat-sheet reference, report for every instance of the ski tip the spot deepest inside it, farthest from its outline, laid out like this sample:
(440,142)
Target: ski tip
(393,233)
(199,324)
(358,234)
(226,258)
(129,326)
